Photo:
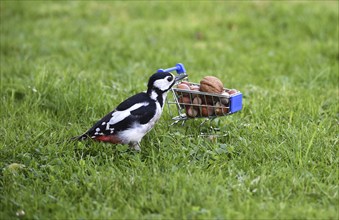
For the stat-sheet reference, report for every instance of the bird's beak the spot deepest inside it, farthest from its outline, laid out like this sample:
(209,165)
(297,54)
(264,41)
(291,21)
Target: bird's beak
(180,77)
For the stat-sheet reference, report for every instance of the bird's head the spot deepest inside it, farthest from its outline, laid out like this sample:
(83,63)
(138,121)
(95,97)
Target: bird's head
(162,81)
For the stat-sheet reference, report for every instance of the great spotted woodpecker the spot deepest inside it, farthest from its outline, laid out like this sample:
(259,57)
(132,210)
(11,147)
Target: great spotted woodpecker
(134,117)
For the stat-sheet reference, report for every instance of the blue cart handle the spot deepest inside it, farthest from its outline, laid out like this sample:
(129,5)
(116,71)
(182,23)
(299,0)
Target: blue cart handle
(179,68)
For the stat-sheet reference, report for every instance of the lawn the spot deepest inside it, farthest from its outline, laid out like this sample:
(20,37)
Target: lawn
(64,65)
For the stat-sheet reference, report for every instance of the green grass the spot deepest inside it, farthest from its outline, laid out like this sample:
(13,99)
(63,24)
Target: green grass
(64,65)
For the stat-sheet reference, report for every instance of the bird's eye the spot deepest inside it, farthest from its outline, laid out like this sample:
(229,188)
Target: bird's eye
(170,78)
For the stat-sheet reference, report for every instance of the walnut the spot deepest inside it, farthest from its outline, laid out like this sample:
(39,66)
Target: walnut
(211,84)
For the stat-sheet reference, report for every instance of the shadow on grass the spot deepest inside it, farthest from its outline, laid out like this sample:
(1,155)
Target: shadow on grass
(102,151)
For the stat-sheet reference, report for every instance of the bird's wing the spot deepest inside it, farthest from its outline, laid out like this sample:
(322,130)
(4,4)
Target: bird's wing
(145,113)
(128,103)
(124,116)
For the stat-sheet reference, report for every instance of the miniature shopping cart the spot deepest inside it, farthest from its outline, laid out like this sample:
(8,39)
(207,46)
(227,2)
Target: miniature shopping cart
(191,103)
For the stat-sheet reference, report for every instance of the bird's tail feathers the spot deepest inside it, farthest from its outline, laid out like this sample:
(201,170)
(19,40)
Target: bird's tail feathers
(79,138)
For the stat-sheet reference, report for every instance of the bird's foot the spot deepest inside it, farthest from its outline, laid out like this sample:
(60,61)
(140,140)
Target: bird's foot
(135,146)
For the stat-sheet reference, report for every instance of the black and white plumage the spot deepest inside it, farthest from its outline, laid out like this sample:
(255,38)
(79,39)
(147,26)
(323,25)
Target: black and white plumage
(133,118)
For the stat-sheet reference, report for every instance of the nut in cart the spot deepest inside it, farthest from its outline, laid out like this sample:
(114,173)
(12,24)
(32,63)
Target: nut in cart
(207,99)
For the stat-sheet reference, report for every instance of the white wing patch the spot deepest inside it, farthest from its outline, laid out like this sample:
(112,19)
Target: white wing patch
(118,116)
(138,131)
(97,132)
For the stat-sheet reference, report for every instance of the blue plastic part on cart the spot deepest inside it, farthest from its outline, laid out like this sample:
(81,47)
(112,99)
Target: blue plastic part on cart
(235,103)
(179,68)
